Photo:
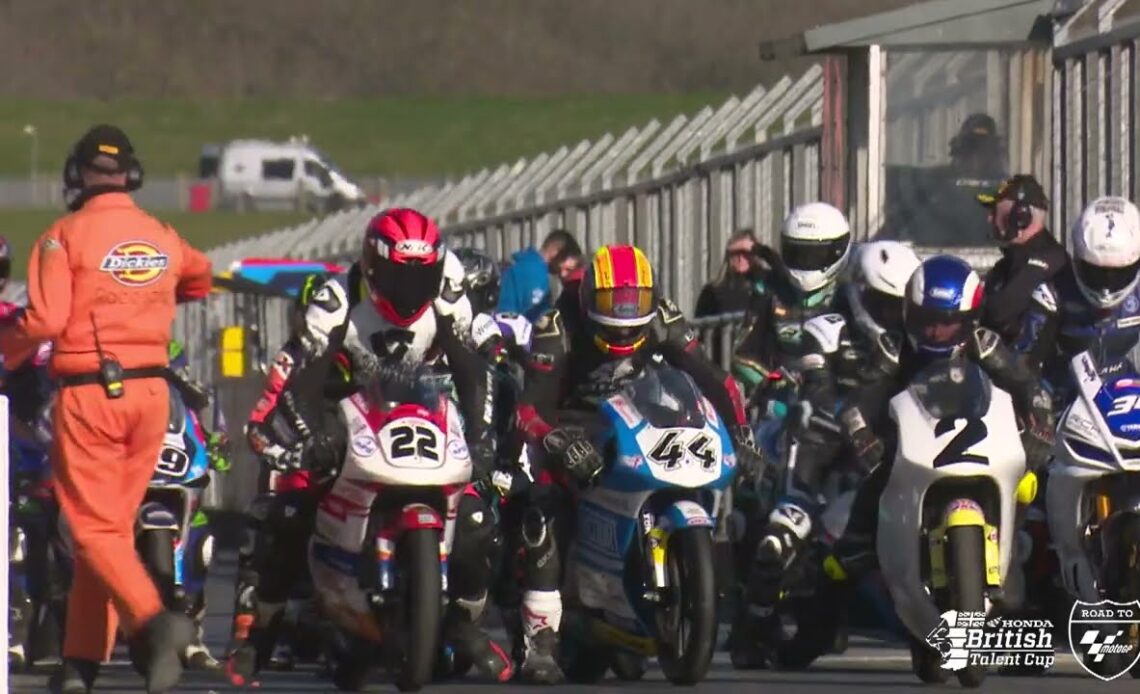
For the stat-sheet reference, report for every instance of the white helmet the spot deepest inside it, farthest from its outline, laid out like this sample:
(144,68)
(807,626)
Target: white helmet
(880,277)
(1106,251)
(814,245)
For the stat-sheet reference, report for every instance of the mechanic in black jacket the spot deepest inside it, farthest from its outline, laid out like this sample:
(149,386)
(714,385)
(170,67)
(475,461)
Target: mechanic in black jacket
(1030,257)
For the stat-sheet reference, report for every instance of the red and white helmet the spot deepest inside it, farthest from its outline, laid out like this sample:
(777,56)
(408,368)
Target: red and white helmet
(402,264)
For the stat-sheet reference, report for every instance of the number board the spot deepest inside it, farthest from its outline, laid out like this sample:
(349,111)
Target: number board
(957,450)
(412,443)
(172,462)
(674,449)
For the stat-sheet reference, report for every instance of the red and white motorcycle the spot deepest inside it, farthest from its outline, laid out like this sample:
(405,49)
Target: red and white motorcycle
(383,532)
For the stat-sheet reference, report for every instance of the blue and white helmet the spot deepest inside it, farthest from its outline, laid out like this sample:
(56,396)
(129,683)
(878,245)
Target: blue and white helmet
(943,303)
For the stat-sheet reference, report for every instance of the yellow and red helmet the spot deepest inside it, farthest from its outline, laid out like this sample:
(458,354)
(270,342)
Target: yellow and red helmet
(618,299)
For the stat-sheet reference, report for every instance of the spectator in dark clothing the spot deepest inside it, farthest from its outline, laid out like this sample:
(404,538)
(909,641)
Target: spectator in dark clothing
(733,288)
(732,291)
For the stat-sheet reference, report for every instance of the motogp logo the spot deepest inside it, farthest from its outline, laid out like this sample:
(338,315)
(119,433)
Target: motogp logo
(135,263)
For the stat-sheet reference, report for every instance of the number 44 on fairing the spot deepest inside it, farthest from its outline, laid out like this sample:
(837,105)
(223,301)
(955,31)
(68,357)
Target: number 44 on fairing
(678,447)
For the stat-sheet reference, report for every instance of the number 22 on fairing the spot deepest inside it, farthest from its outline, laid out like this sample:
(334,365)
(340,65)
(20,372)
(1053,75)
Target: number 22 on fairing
(1124,405)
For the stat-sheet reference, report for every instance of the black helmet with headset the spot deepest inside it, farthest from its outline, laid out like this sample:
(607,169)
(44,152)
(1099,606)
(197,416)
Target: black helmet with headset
(105,149)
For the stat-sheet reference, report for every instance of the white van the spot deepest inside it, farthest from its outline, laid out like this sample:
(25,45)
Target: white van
(259,174)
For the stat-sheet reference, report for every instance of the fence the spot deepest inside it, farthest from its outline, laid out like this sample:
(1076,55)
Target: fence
(163,193)
(1095,104)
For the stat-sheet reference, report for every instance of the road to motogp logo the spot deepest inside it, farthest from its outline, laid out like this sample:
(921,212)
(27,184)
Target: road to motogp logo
(135,263)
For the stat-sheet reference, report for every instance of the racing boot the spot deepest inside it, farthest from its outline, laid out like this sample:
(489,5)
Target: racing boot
(157,649)
(73,676)
(782,541)
(461,631)
(197,655)
(542,617)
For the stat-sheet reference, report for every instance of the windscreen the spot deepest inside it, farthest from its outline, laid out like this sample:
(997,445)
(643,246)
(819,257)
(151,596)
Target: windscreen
(391,386)
(666,398)
(952,388)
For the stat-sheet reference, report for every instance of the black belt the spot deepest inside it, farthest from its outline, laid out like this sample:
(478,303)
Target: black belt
(128,374)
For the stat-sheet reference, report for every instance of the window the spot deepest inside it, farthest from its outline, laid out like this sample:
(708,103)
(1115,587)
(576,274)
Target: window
(314,169)
(278,169)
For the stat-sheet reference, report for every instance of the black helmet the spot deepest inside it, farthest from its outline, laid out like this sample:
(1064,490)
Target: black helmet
(480,279)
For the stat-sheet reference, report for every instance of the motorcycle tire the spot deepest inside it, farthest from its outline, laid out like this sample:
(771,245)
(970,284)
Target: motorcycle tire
(966,560)
(691,622)
(418,555)
(628,667)
(156,550)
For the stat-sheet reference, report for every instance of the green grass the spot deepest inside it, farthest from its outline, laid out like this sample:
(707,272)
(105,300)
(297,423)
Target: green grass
(204,231)
(405,136)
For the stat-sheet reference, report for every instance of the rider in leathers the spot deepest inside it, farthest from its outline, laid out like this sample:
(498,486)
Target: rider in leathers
(402,303)
(505,340)
(1094,304)
(838,349)
(933,332)
(795,342)
(585,349)
(273,558)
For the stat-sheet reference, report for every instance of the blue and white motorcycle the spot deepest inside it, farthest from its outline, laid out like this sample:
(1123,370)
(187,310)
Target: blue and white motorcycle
(640,574)
(1093,499)
(172,533)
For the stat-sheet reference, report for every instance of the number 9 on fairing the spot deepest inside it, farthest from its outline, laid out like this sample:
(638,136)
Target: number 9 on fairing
(172,462)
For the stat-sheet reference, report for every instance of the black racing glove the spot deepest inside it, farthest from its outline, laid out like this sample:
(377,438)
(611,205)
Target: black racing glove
(1038,438)
(749,458)
(579,456)
(867,448)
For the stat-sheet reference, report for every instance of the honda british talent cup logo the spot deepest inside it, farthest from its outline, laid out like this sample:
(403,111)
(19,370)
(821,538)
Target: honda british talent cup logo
(1105,636)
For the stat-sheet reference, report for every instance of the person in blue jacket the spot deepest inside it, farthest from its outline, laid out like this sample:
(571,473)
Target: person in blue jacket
(526,281)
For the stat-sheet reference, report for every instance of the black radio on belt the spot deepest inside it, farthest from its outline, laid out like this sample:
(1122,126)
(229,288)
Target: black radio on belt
(111,376)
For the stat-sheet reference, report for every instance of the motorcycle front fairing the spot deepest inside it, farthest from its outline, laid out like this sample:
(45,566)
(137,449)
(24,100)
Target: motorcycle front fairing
(954,428)
(1099,436)
(660,435)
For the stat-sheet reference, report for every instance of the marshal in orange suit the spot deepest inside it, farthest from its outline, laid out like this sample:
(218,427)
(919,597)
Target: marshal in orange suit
(102,283)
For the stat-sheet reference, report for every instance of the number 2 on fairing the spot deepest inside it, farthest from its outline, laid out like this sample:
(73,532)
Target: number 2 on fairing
(957,450)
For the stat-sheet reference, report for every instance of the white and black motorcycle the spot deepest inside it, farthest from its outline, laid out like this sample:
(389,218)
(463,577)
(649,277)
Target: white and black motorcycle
(1093,496)
(947,514)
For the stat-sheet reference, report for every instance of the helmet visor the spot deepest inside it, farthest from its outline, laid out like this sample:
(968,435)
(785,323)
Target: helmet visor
(1105,280)
(939,329)
(884,309)
(408,287)
(813,256)
(623,306)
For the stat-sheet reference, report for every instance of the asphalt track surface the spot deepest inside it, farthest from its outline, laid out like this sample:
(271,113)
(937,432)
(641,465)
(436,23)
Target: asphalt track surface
(868,667)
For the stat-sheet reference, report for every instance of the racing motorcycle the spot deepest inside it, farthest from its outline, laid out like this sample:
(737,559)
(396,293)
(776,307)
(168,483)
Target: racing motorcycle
(172,533)
(378,556)
(1093,496)
(640,574)
(947,511)
(39,559)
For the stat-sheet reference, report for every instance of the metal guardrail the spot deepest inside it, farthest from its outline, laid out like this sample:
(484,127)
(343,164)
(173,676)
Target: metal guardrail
(677,190)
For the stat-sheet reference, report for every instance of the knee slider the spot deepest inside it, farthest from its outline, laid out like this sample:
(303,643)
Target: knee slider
(534,528)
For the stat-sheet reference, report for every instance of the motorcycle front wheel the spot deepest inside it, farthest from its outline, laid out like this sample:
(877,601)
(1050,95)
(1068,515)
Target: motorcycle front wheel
(418,555)
(966,564)
(687,627)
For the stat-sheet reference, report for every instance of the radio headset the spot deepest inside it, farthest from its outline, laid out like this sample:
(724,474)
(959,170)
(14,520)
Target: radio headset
(72,179)
(1020,217)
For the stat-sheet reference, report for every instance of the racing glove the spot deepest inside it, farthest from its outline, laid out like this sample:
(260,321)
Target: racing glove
(866,447)
(1037,439)
(749,458)
(579,456)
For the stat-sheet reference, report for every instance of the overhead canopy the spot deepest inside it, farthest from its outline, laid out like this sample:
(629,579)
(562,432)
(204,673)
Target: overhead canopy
(940,22)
